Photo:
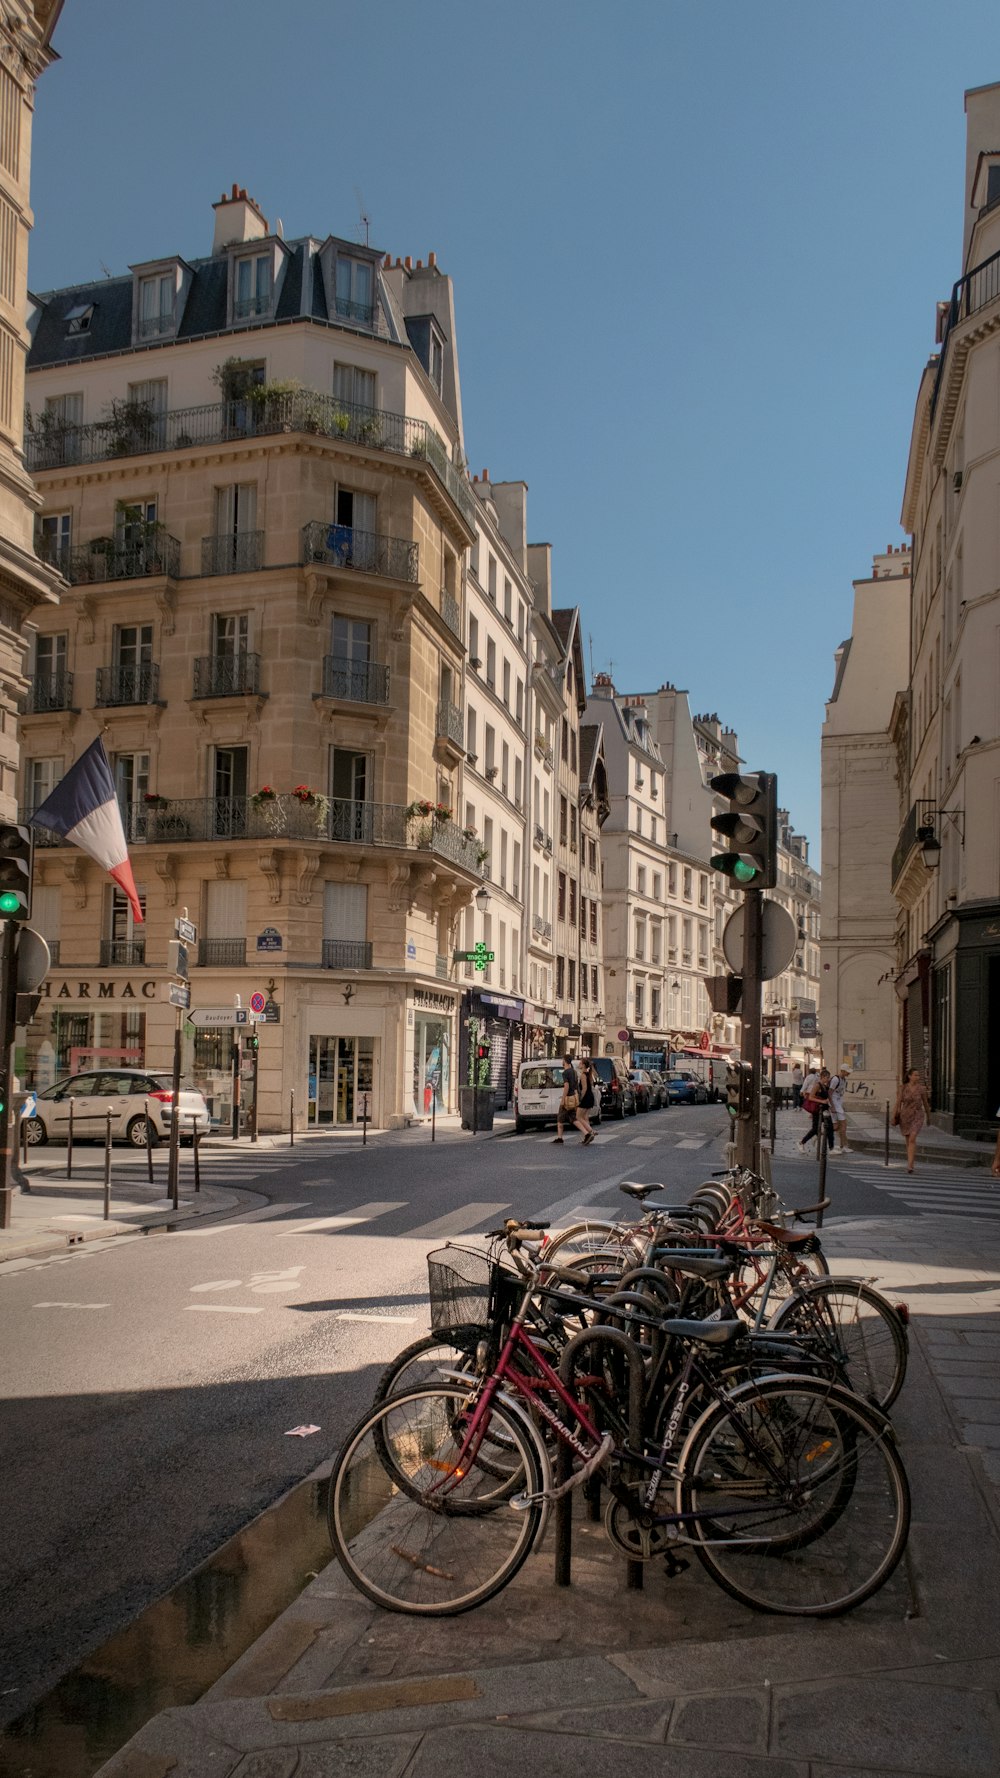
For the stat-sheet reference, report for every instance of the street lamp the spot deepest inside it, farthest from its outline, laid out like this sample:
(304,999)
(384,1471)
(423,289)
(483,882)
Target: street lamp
(482,899)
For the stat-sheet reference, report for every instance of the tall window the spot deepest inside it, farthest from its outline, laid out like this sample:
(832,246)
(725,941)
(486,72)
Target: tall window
(253,286)
(133,656)
(229,781)
(518,779)
(235,523)
(355,290)
(156,305)
(640,1002)
(64,414)
(40,779)
(491,664)
(353,386)
(53,537)
(230,634)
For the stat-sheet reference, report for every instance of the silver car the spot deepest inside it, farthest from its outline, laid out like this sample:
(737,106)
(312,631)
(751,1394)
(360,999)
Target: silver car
(126,1093)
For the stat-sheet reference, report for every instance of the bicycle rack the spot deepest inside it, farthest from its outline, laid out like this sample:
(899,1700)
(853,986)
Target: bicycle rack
(592,1336)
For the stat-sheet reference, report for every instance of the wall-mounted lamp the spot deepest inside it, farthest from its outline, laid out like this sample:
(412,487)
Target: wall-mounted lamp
(928,820)
(482,899)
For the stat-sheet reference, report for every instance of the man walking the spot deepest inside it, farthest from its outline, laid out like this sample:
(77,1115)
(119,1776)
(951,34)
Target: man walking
(797,1079)
(837,1085)
(569,1104)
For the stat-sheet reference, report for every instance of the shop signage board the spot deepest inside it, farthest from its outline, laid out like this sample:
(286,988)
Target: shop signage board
(204,1016)
(270,939)
(272,1013)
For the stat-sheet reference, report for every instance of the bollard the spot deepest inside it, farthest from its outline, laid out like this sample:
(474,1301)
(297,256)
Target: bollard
(821,1140)
(107,1167)
(887,1132)
(433,1116)
(291,1119)
(195,1138)
(22,1131)
(149,1146)
(364,1120)
(69,1143)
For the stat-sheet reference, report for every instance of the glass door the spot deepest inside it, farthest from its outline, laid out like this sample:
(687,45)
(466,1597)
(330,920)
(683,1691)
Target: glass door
(230,793)
(351,813)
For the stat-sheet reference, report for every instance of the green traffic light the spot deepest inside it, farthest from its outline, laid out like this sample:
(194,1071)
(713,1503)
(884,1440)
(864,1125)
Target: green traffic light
(10,902)
(743,872)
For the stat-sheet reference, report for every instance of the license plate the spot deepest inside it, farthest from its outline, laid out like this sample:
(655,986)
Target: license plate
(532,1105)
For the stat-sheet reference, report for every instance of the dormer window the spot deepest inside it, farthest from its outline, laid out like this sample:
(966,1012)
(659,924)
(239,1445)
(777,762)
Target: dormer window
(986,182)
(355,294)
(253,287)
(156,306)
(79,317)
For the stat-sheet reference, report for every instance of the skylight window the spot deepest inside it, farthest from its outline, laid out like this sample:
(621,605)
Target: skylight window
(78,318)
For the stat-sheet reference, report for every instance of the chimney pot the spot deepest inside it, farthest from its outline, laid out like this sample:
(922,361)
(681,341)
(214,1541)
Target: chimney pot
(236,190)
(408,262)
(387,263)
(420,265)
(432,259)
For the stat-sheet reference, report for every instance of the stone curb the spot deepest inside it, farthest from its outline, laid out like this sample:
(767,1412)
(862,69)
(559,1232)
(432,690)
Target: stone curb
(215,1203)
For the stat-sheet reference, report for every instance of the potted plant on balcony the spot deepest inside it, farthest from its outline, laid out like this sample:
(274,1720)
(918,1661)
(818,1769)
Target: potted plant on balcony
(266,794)
(130,427)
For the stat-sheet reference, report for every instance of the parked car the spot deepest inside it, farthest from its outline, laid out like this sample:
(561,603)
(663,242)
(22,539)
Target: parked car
(685,1089)
(660,1084)
(645,1092)
(617,1091)
(538,1089)
(125,1092)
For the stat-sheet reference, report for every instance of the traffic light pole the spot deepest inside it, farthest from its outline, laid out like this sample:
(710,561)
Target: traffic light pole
(8,1124)
(173,1163)
(751,1047)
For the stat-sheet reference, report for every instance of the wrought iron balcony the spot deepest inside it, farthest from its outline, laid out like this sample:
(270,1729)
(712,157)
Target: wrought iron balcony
(451,612)
(50,443)
(246,308)
(346,953)
(50,691)
(152,327)
(905,843)
(226,675)
(541,928)
(360,682)
(222,953)
(106,559)
(127,953)
(450,724)
(979,288)
(344,546)
(234,552)
(136,684)
(363,313)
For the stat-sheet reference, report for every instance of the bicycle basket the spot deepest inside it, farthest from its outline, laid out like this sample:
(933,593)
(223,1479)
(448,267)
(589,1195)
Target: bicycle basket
(459,1283)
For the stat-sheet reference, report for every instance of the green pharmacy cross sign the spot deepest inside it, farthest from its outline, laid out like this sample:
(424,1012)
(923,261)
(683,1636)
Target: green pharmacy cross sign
(478,958)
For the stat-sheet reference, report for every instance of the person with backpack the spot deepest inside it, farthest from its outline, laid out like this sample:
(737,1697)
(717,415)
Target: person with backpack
(569,1104)
(817,1103)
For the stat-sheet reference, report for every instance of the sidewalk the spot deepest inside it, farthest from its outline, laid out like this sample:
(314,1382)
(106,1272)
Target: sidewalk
(58,1213)
(866,1135)
(678,1680)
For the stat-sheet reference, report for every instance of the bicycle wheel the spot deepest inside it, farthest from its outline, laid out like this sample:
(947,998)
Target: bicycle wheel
(423,1362)
(802,1501)
(423,1539)
(858,1326)
(589,1236)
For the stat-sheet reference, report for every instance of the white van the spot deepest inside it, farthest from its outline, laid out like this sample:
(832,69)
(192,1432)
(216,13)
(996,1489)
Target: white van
(538,1090)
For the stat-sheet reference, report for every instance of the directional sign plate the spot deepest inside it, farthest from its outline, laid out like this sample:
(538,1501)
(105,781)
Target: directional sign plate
(220,1015)
(187,931)
(179,994)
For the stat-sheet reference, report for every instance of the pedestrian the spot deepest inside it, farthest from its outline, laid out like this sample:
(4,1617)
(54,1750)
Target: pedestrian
(838,1115)
(569,1104)
(797,1079)
(819,1099)
(588,1097)
(809,1103)
(913,1108)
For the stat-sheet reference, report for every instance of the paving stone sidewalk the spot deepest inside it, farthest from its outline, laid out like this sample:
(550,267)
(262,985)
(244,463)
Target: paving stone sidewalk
(679,1680)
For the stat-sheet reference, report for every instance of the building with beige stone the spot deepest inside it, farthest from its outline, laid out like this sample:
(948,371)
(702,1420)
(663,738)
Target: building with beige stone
(25,581)
(251,474)
(860,811)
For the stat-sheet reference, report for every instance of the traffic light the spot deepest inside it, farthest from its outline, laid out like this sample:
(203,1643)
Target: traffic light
(725,993)
(750,824)
(739,1089)
(16,849)
(253,1044)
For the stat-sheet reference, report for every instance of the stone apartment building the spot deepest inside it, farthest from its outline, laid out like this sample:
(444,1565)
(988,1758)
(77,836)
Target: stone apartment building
(945,727)
(25,581)
(860,820)
(581,793)
(250,467)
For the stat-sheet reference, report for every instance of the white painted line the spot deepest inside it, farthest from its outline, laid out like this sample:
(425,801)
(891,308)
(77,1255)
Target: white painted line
(218,1284)
(347,1220)
(457,1222)
(71,1305)
(219,1309)
(693,1142)
(346,1315)
(586,1194)
(645,1142)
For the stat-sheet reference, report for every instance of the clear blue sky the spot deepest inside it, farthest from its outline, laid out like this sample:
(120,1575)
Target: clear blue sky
(696,251)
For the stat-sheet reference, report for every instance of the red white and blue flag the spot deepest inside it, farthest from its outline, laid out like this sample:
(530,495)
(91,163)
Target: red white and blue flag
(83,808)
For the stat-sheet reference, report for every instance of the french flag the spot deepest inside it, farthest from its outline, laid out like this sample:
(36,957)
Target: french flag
(83,808)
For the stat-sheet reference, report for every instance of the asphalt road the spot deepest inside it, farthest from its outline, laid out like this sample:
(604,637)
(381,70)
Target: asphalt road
(149,1385)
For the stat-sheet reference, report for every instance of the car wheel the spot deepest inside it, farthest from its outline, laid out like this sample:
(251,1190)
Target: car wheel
(136,1133)
(519,1126)
(35,1132)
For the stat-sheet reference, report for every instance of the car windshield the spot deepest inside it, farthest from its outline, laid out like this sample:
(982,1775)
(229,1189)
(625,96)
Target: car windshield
(534,1079)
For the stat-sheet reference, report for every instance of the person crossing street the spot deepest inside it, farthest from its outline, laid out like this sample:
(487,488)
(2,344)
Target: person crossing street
(569,1105)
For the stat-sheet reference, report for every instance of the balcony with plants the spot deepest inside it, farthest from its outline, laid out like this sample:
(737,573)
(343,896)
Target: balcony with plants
(153,553)
(365,552)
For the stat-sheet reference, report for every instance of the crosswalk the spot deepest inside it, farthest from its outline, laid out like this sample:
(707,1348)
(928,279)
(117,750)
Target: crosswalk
(931,1191)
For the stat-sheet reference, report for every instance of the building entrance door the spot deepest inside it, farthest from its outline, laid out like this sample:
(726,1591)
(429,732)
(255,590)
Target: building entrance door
(341,1073)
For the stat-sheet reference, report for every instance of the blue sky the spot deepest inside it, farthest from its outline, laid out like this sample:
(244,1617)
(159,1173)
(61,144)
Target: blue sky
(696,252)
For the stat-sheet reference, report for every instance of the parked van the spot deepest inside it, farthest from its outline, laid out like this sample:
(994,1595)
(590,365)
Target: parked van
(538,1090)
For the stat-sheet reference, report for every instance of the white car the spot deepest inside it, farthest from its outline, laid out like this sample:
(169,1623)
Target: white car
(538,1093)
(126,1093)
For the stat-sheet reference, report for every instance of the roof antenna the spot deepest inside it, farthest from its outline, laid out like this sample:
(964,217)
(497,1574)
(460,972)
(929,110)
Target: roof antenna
(363,216)
(104,268)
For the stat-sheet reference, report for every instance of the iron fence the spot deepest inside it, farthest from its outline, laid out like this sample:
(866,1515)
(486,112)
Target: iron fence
(362,682)
(344,546)
(226,675)
(234,552)
(222,953)
(347,953)
(125,953)
(50,691)
(135,684)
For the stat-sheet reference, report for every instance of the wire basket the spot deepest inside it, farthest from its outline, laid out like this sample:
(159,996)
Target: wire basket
(459,1283)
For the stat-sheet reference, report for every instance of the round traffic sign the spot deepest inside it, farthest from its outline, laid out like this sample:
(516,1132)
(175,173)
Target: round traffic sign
(257,1003)
(623,1036)
(778,947)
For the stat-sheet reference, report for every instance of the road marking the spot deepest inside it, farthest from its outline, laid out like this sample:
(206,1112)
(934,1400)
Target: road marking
(219,1309)
(71,1305)
(457,1222)
(346,1315)
(346,1220)
(556,1212)
(219,1284)
(693,1142)
(645,1141)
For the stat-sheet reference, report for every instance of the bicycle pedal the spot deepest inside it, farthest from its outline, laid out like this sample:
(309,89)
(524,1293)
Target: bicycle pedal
(674,1565)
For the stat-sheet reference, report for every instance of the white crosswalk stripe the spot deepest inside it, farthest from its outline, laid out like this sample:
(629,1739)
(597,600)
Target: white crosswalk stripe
(348,1219)
(947,1191)
(457,1222)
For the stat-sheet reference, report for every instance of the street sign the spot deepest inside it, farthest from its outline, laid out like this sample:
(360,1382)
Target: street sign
(219,1015)
(257,1003)
(179,994)
(186,931)
(272,1013)
(623,1036)
(269,940)
(779,940)
(179,959)
(256,1018)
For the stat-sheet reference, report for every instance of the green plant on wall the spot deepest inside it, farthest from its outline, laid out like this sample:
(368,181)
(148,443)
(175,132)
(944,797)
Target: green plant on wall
(479,1065)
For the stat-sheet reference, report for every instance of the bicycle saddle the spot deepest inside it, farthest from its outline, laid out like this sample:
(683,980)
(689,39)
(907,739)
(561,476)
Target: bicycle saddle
(707,1333)
(632,1189)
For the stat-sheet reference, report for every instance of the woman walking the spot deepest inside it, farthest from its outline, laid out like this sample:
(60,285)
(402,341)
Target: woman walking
(588,1097)
(913,1108)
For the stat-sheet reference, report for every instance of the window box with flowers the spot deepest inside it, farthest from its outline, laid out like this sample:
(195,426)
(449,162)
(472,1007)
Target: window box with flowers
(313,800)
(430,815)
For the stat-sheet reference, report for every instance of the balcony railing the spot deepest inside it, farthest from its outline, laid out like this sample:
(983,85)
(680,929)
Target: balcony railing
(346,953)
(451,612)
(450,724)
(344,546)
(51,443)
(102,561)
(136,684)
(360,682)
(235,552)
(50,691)
(122,953)
(905,844)
(363,313)
(226,675)
(151,327)
(975,291)
(222,953)
(246,308)
(541,928)
(173,820)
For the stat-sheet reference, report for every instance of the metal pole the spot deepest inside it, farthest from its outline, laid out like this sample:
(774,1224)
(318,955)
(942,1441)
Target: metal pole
(887,1132)
(149,1146)
(8,1014)
(774,1085)
(173,1166)
(433,1114)
(821,1143)
(748,1129)
(194,1148)
(364,1120)
(107,1168)
(69,1142)
(236,1084)
(253,1108)
(291,1119)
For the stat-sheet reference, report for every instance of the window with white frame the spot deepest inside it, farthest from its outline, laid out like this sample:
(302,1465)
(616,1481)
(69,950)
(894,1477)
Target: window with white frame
(53,537)
(157,295)
(639,1001)
(640,879)
(40,779)
(253,286)
(491,586)
(355,287)
(353,386)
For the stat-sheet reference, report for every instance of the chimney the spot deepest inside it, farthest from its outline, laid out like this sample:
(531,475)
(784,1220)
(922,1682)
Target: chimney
(238,218)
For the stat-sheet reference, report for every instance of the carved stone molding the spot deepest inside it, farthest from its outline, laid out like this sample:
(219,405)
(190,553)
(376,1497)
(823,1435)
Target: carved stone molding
(399,886)
(222,864)
(316,589)
(87,615)
(267,863)
(166,604)
(404,611)
(166,870)
(308,866)
(352,870)
(76,873)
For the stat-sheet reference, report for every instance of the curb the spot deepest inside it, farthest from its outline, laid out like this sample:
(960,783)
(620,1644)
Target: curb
(160,1222)
(927,1151)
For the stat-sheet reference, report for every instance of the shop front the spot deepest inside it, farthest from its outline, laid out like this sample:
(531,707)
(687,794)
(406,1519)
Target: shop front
(963,1010)
(86,1022)
(433,1014)
(502,1019)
